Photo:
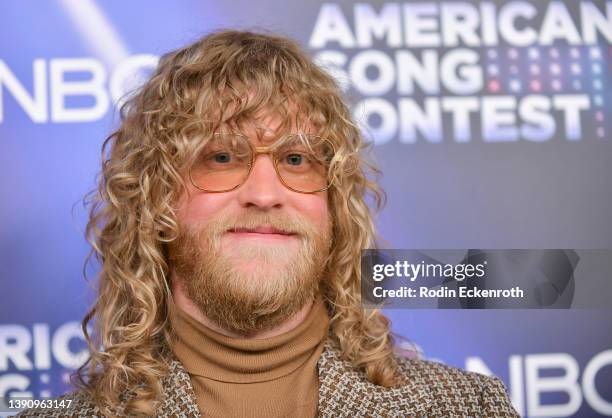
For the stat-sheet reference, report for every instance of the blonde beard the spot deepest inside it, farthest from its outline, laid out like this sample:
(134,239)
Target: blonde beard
(259,285)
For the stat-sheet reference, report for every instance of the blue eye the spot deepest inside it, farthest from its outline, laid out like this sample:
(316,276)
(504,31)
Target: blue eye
(294,159)
(222,157)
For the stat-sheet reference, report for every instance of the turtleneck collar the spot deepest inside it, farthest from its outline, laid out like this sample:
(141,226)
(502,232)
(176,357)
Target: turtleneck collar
(207,353)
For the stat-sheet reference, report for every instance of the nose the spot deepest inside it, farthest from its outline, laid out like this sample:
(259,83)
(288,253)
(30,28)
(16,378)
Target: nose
(263,188)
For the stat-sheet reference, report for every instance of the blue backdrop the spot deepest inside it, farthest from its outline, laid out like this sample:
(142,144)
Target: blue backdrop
(491,122)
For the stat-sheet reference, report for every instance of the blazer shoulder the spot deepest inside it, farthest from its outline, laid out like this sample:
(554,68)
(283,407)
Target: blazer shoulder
(428,371)
(75,404)
(178,399)
(469,393)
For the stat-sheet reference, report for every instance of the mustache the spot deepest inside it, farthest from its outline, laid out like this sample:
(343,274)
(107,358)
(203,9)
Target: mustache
(250,220)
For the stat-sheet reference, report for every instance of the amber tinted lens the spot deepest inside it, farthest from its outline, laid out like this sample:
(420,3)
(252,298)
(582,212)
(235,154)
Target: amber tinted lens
(222,164)
(303,162)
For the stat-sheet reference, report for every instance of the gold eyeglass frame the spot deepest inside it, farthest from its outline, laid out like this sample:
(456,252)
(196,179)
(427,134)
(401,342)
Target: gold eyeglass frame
(256,151)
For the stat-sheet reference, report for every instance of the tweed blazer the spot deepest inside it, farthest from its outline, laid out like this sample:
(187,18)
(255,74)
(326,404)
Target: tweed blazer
(432,390)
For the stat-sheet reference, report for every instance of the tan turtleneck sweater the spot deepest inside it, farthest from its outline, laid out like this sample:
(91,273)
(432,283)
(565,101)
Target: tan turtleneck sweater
(268,377)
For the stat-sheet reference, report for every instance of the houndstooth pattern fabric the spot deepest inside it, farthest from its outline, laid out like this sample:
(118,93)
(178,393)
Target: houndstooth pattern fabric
(431,390)
(178,400)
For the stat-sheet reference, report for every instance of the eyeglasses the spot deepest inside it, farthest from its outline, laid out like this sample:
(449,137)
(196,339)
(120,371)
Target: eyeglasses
(301,162)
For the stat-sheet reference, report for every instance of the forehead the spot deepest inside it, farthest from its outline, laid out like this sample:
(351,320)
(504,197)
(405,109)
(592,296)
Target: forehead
(268,127)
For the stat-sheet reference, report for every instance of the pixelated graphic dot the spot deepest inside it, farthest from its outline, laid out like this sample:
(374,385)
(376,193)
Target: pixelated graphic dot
(491,53)
(533,53)
(534,69)
(595,53)
(575,68)
(555,69)
(494,85)
(44,378)
(575,53)
(513,53)
(599,116)
(556,85)
(576,84)
(597,84)
(554,53)
(493,69)
(596,68)
(600,132)
(515,85)
(535,85)
(598,100)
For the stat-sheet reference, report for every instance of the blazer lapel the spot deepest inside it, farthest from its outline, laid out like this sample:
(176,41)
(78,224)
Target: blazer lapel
(179,398)
(345,392)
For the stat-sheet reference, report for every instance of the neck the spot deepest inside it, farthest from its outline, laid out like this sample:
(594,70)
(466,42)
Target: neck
(182,301)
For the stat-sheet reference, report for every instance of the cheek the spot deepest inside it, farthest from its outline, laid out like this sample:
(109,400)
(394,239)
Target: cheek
(201,206)
(314,208)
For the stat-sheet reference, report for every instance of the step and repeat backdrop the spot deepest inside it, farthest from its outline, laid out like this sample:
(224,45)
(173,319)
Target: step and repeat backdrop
(491,121)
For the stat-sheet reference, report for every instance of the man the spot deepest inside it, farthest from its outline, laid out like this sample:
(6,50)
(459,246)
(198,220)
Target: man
(229,225)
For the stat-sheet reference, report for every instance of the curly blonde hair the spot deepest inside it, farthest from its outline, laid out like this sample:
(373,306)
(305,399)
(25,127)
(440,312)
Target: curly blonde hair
(132,215)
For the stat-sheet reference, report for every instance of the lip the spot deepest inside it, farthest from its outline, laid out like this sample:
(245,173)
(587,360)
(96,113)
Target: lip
(262,232)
